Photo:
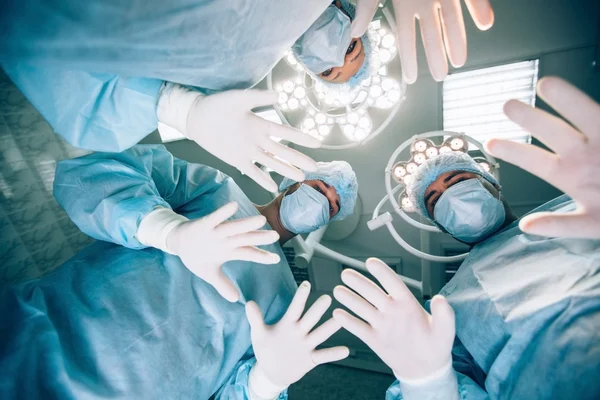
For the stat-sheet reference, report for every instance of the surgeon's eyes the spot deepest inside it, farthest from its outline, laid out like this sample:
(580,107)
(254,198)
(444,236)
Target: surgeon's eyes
(328,72)
(351,47)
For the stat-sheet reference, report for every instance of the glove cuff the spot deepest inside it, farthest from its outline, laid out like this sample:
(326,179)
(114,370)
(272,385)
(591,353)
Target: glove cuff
(261,388)
(442,382)
(156,226)
(174,105)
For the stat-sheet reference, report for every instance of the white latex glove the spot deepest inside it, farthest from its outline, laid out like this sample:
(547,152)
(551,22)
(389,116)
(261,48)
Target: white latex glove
(205,244)
(286,351)
(574,167)
(414,344)
(452,44)
(224,125)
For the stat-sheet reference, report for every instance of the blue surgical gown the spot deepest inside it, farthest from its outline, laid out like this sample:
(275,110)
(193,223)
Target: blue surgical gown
(527,317)
(116,322)
(93,68)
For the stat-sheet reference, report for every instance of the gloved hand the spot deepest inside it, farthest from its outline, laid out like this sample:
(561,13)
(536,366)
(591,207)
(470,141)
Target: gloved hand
(414,344)
(206,243)
(224,125)
(574,167)
(452,44)
(285,352)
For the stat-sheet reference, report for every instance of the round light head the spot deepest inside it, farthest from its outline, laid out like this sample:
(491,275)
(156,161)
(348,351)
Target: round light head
(420,158)
(431,152)
(398,172)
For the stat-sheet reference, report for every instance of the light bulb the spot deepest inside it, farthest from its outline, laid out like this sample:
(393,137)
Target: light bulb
(303,102)
(342,121)
(283,98)
(309,123)
(382,102)
(399,171)
(431,152)
(384,55)
(407,179)
(323,130)
(382,32)
(421,145)
(349,130)
(288,86)
(388,41)
(419,158)
(320,118)
(457,144)
(364,123)
(293,104)
(330,121)
(360,134)
(445,149)
(387,84)
(393,96)
(411,167)
(299,92)
(376,91)
(485,166)
(314,133)
(353,118)
(311,111)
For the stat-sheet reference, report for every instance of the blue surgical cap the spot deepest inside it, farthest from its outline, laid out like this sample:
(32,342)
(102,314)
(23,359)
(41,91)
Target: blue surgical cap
(366,69)
(431,169)
(338,174)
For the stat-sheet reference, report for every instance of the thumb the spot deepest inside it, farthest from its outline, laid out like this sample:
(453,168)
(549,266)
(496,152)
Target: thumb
(443,318)
(365,10)
(255,317)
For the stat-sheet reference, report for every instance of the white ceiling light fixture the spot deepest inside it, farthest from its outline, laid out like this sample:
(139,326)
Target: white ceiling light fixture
(343,119)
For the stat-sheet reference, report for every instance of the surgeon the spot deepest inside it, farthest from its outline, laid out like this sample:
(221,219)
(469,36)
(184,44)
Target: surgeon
(132,321)
(329,52)
(519,319)
(460,197)
(138,199)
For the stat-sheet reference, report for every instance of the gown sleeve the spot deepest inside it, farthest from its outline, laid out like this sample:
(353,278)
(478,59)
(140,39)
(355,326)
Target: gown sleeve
(108,194)
(99,112)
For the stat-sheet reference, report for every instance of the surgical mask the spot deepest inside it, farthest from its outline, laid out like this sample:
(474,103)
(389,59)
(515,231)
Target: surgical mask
(303,211)
(325,43)
(469,212)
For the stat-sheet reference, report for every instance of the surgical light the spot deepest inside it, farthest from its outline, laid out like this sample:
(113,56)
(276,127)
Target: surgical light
(343,108)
